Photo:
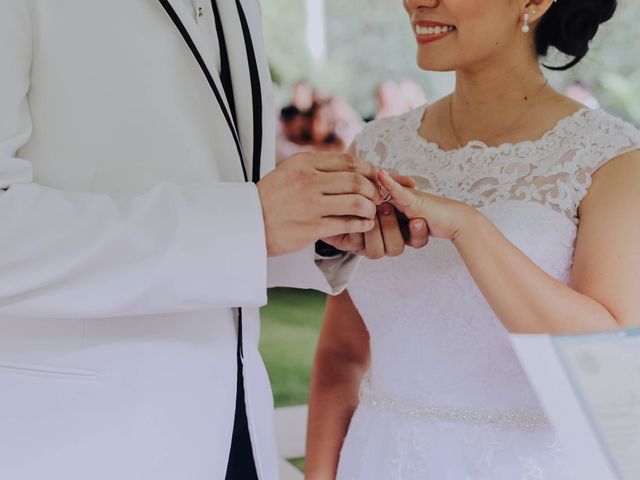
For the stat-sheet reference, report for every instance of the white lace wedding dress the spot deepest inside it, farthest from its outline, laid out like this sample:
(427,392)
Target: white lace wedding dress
(445,397)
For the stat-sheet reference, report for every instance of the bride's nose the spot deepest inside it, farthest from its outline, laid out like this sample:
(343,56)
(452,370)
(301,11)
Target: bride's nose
(412,5)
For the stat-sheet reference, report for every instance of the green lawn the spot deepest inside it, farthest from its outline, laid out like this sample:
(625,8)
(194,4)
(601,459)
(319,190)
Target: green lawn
(290,328)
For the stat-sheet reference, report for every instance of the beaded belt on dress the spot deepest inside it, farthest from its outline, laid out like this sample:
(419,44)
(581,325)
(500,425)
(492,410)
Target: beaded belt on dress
(421,410)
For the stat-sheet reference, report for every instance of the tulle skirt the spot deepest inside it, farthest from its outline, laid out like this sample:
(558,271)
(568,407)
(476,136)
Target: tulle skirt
(385,445)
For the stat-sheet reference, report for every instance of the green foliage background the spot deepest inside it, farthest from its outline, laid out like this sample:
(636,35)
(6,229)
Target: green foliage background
(290,329)
(370,41)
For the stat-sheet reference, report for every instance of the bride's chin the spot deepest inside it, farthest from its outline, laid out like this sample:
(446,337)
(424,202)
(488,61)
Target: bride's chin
(431,61)
(433,65)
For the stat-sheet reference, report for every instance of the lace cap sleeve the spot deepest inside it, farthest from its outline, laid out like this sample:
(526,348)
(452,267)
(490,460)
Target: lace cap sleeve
(604,138)
(610,138)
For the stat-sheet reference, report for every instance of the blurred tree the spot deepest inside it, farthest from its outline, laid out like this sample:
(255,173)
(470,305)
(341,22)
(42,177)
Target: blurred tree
(370,41)
(613,65)
(624,94)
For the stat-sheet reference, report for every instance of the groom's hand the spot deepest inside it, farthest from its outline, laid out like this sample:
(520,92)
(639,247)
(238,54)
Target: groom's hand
(388,238)
(390,235)
(317,195)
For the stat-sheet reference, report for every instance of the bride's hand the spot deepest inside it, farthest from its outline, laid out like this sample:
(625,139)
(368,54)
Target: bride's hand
(445,217)
(390,234)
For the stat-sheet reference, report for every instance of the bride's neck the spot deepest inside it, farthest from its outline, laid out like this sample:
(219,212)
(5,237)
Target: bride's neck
(488,100)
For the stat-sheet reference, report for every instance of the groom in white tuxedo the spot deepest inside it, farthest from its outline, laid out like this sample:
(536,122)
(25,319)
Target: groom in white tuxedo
(135,232)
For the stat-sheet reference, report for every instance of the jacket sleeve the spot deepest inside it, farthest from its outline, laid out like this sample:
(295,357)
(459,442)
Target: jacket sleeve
(69,254)
(306,270)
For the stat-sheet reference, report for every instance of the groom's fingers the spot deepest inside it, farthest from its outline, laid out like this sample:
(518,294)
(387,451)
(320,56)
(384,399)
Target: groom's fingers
(331,226)
(374,243)
(351,242)
(343,162)
(391,232)
(354,242)
(335,183)
(347,205)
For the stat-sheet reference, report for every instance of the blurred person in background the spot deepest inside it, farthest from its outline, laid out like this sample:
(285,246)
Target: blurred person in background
(394,98)
(390,100)
(303,96)
(292,133)
(329,124)
(582,92)
(323,127)
(413,94)
(348,122)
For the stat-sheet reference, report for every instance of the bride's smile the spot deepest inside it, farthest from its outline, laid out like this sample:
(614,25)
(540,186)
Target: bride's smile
(428,31)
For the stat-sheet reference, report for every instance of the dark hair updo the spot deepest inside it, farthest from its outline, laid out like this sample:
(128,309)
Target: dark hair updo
(570,25)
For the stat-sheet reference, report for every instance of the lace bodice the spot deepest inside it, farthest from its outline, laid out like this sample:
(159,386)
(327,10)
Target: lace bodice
(554,171)
(434,339)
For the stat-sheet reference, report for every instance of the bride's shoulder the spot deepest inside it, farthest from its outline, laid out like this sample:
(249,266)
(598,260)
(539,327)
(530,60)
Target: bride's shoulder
(604,135)
(596,139)
(605,126)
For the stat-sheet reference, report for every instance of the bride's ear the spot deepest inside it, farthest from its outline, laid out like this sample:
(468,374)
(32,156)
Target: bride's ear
(536,8)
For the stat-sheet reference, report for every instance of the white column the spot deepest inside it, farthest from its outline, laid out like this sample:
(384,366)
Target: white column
(316,30)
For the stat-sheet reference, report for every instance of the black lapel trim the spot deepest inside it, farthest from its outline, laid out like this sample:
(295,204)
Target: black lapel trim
(256,90)
(194,50)
(225,67)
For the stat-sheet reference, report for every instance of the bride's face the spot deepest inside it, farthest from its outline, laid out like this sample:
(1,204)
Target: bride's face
(456,34)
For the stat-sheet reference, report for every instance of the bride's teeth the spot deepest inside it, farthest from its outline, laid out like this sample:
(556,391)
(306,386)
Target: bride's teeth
(433,30)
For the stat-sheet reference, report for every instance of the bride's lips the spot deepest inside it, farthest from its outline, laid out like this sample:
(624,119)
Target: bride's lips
(428,31)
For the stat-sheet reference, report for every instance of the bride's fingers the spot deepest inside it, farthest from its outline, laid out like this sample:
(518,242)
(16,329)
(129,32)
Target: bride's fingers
(400,196)
(418,233)
(405,181)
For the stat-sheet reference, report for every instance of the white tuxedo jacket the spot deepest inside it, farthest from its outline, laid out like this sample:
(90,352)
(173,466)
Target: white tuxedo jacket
(127,238)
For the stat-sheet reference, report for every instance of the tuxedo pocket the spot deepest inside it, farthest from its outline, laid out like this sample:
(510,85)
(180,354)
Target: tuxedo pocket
(19,368)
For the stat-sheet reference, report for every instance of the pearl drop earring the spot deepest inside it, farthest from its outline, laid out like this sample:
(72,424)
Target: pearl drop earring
(525,27)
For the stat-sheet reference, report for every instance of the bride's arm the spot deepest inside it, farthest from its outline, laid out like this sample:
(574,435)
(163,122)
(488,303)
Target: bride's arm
(603,293)
(341,360)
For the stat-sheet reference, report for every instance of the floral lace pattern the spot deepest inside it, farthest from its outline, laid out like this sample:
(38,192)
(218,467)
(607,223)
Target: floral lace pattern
(555,170)
(434,338)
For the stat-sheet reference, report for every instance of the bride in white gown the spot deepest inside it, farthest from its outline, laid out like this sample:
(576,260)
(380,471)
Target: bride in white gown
(532,204)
